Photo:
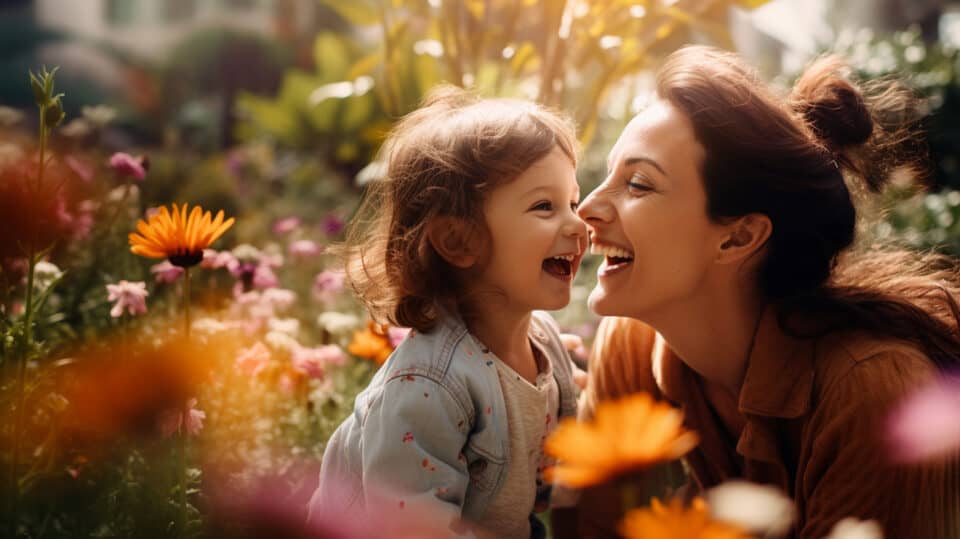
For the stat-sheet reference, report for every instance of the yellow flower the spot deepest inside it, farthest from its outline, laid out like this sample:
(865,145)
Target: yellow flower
(371,343)
(177,236)
(676,522)
(626,434)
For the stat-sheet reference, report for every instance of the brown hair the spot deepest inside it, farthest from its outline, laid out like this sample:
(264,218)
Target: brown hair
(790,158)
(441,161)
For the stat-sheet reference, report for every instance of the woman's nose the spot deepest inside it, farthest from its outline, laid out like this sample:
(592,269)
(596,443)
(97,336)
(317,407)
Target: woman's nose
(594,208)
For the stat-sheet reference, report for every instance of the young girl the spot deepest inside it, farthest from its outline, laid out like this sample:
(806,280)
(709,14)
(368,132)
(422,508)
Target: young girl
(473,229)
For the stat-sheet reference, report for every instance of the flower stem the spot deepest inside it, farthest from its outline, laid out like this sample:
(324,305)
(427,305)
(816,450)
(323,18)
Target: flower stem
(182,438)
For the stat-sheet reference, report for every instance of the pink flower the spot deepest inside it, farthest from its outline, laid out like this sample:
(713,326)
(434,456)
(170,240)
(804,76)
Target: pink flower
(253,360)
(286,225)
(129,296)
(213,259)
(128,166)
(327,283)
(171,421)
(397,335)
(304,249)
(313,361)
(165,272)
(264,277)
(925,426)
(150,212)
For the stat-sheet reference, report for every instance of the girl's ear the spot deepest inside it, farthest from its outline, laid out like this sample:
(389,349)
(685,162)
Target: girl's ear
(456,240)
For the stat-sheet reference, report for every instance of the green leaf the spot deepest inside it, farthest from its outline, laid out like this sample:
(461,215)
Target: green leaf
(332,57)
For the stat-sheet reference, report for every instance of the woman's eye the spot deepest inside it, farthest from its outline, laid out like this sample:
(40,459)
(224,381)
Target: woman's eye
(574,206)
(638,184)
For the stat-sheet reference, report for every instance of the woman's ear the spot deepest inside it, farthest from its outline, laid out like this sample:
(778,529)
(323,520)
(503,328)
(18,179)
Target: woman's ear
(745,236)
(455,240)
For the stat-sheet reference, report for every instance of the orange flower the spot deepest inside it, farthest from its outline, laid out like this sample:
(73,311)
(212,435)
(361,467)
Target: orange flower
(371,343)
(179,237)
(676,522)
(626,434)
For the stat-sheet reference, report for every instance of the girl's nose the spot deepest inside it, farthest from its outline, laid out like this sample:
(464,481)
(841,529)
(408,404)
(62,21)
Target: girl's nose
(575,227)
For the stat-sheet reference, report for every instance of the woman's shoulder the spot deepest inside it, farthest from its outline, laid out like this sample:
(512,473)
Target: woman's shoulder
(856,360)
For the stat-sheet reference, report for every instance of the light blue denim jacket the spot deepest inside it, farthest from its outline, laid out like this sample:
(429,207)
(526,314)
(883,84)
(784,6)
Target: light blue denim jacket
(432,425)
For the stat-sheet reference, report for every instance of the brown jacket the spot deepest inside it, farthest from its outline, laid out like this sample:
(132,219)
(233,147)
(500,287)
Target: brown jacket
(813,415)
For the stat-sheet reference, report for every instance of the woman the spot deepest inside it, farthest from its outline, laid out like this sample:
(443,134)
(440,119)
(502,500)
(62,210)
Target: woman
(726,226)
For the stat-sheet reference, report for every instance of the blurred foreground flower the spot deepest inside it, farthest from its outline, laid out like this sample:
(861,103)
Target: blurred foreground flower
(852,528)
(130,297)
(627,434)
(925,426)
(673,521)
(760,509)
(371,343)
(115,391)
(177,236)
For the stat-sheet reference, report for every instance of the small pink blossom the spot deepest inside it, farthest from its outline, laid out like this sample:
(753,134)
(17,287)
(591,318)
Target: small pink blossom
(313,361)
(327,283)
(130,296)
(165,272)
(264,277)
(304,249)
(171,421)
(150,212)
(272,261)
(213,259)
(253,360)
(128,166)
(286,225)
(925,426)
(397,335)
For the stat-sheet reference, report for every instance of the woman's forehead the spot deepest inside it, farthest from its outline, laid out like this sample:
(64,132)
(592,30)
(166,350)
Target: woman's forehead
(661,133)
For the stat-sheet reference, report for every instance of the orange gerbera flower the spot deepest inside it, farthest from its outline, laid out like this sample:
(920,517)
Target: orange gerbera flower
(371,343)
(626,434)
(673,521)
(177,236)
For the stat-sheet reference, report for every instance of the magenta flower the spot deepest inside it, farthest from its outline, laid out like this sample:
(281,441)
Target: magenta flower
(252,361)
(925,425)
(332,225)
(304,249)
(128,166)
(327,283)
(129,296)
(165,272)
(286,225)
(279,298)
(172,421)
(264,277)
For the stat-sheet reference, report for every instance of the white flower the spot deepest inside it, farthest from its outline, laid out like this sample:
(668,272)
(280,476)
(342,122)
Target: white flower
(337,323)
(281,341)
(290,326)
(763,510)
(45,274)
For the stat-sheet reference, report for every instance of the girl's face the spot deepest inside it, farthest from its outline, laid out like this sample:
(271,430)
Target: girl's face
(536,238)
(648,219)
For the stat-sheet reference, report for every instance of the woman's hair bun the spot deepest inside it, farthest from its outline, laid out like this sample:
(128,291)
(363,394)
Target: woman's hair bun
(832,106)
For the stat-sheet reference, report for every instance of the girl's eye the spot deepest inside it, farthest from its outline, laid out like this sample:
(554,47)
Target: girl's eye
(542,206)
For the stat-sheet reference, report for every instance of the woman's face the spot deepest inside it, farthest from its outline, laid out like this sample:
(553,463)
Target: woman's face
(649,220)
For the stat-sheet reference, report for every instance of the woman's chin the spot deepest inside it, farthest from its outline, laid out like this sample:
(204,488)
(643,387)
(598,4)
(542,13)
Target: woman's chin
(599,303)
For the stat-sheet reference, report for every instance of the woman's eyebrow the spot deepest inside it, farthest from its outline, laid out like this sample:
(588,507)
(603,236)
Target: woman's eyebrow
(630,161)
